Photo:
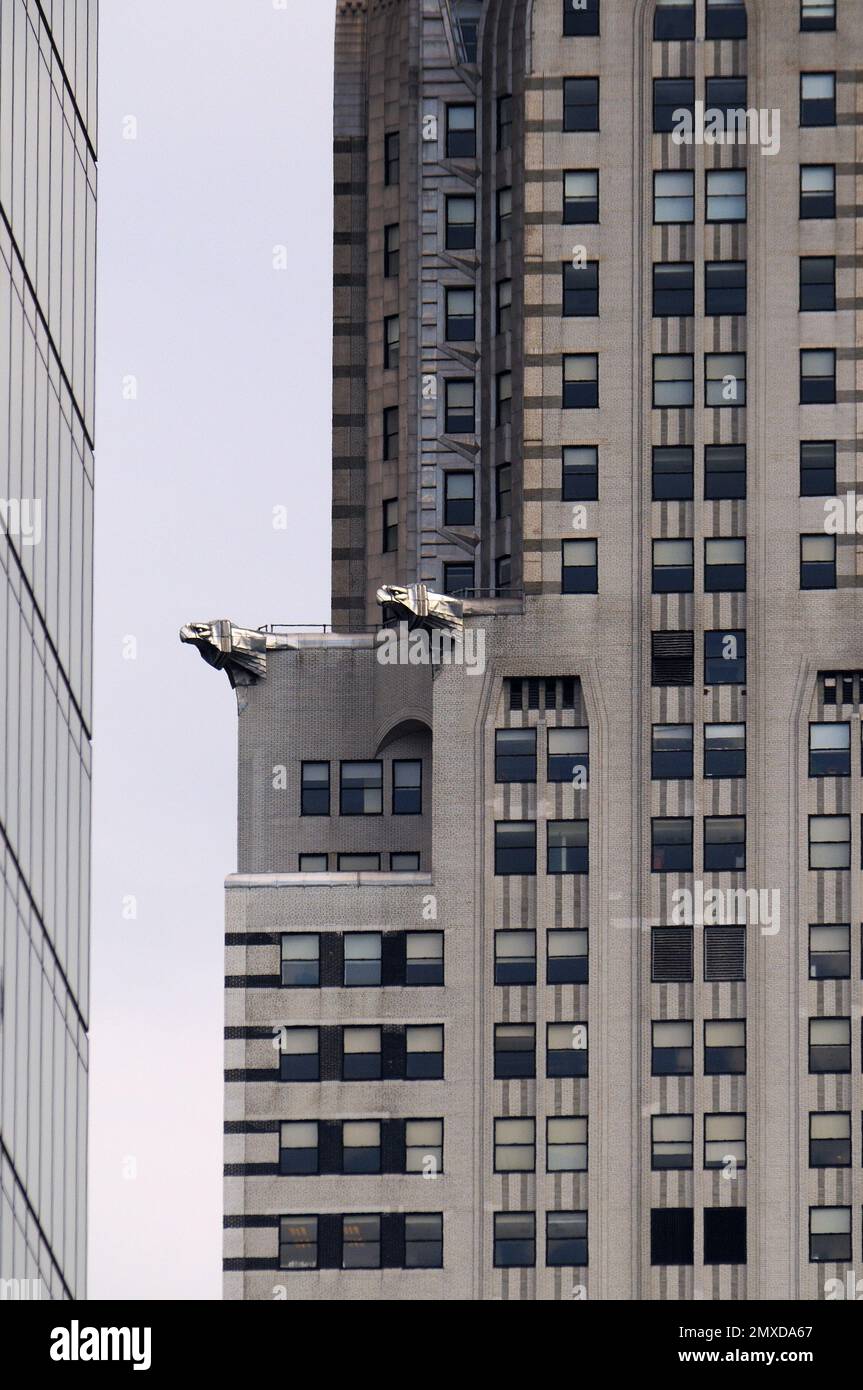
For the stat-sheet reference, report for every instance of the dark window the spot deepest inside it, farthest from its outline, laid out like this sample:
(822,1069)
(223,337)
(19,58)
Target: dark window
(724,472)
(671,845)
(581,103)
(458,499)
(301,952)
(299,1059)
(725,94)
(392,245)
(673,289)
(503,575)
(459,406)
(566,957)
(503,223)
(581,196)
(817,190)
(298,1242)
(391,341)
(568,756)
(405,862)
(424,958)
(298,1148)
(670,96)
(515,847)
(361,1242)
(460,223)
(830,1139)
(315,789)
(362,789)
(830,1234)
(725,287)
(503,398)
(673,568)
(674,19)
(424,1052)
(468,29)
(580,18)
(671,1048)
(830,951)
(724,843)
(566,1238)
(672,1233)
(817,98)
(514,1239)
(514,1050)
(458,578)
(818,468)
(460,326)
(725,657)
(391,432)
(515,755)
(504,122)
(503,491)
(671,751)
(407,787)
(726,19)
(673,196)
(504,306)
(362,958)
(515,957)
(672,658)
(424,1239)
(579,573)
(568,850)
(817,14)
(726,195)
(830,750)
(724,565)
(671,955)
(581,290)
(724,953)
(725,750)
(725,1235)
(829,1045)
(670,1142)
(361,1054)
(672,473)
(580,381)
(580,473)
(391,158)
(461,132)
(817,283)
(818,562)
(566,1049)
(673,384)
(724,1046)
(390,524)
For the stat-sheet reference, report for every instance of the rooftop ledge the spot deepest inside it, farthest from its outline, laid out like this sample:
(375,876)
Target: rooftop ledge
(336,880)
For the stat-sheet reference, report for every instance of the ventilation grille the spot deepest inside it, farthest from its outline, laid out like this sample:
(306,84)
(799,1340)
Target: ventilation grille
(673,658)
(671,955)
(725,953)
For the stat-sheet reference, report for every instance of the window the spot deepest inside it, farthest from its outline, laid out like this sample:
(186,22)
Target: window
(724,1046)
(458,577)
(724,378)
(818,562)
(671,751)
(671,1048)
(359,863)
(566,1049)
(424,1240)
(361,1146)
(459,406)
(725,287)
(829,842)
(580,473)
(503,491)
(391,341)
(503,575)
(567,847)
(725,94)
(725,750)
(514,1050)
(566,1238)
(817,190)
(566,957)
(670,1142)
(581,103)
(361,1054)
(671,845)
(724,843)
(830,750)
(724,1139)
(313,863)
(817,98)
(503,398)
(424,1052)
(515,957)
(581,290)
(829,1234)
(830,952)
(725,565)
(391,158)
(726,19)
(458,509)
(672,1235)
(566,1144)
(362,789)
(724,954)
(468,29)
(315,789)
(391,433)
(515,847)
(460,316)
(514,1239)
(390,525)
(829,1045)
(504,122)
(362,958)
(423,1141)
(461,132)
(580,17)
(671,955)
(817,14)
(673,568)
(515,755)
(580,381)
(405,863)
(424,958)
(298,1055)
(724,1230)
(817,283)
(392,246)
(817,376)
(581,196)
(673,289)
(818,468)
(726,195)
(725,657)
(515,1146)
(674,19)
(673,380)
(673,196)
(407,787)
(568,756)
(672,658)
(298,1148)
(830,1139)
(579,569)
(301,960)
(504,306)
(298,1242)
(724,472)
(460,223)
(504,214)
(361,1242)
(672,473)
(671,95)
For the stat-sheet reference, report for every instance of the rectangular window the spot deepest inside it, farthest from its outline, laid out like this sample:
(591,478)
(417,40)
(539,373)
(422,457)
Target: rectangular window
(581,103)
(298,1055)
(830,951)
(461,132)
(361,789)
(673,289)
(424,1052)
(424,958)
(566,1049)
(817,284)
(829,1045)
(817,14)
(503,491)
(391,433)
(579,573)
(580,381)
(724,843)
(566,957)
(390,525)
(566,1144)
(725,657)
(298,1148)
(725,565)
(725,94)
(515,957)
(671,1048)
(671,751)
(504,306)
(504,215)
(673,196)
(724,472)
(674,19)
(392,246)
(503,398)
(817,191)
(725,1141)
(818,468)
(460,223)
(725,750)
(460,325)
(818,376)
(725,1227)
(672,473)
(566,1238)
(830,750)
(829,842)
(725,379)
(567,847)
(580,18)
(298,1242)
(829,1234)
(503,576)
(514,1050)
(424,1240)
(459,406)
(458,507)
(818,562)
(515,847)
(673,383)
(672,658)
(361,1054)
(672,1236)
(361,1146)
(515,755)
(458,578)
(726,19)
(671,955)
(407,787)
(514,1239)
(315,789)
(404,863)
(670,1142)
(359,863)
(515,1145)
(362,958)
(671,95)
(424,1146)
(504,122)
(313,863)
(671,845)
(391,158)
(726,195)
(817,98)
(724,1046)
(581,290)
(725,287)
(580,473)
(673,567)
(301,960)
(391,341)
(361,1242)
(568,756)
(830,1139)
(581,196)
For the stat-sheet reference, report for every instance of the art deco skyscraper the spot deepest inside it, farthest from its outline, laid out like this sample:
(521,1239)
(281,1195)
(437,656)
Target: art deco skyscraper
(47,378)
(544,964)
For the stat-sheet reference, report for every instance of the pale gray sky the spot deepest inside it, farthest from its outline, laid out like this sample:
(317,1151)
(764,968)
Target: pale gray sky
(232,100)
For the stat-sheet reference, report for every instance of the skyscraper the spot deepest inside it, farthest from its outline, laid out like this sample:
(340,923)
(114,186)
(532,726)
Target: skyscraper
(47,379)
(544,949)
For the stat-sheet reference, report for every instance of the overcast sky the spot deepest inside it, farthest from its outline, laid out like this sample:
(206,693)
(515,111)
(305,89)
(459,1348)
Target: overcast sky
(232,101)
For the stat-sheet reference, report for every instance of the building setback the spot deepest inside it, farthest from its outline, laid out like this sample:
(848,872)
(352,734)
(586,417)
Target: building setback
(543,966)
